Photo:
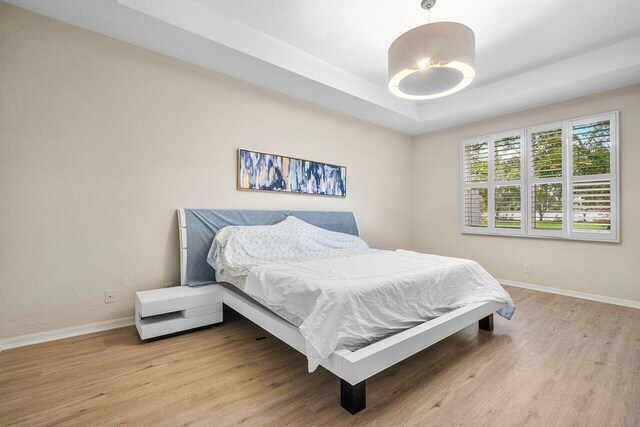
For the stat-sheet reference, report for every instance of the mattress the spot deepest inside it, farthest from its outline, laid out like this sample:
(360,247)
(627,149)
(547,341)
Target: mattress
(239,282)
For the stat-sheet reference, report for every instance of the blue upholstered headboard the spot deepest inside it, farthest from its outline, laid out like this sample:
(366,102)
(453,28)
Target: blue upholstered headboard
(198,227)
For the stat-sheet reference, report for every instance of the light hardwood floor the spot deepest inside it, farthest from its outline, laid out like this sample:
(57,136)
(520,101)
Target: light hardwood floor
(560,361)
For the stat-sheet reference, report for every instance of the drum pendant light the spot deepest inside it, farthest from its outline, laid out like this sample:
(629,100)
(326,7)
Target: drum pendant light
(433,60)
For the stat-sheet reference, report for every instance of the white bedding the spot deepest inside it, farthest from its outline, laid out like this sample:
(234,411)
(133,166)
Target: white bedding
(239,281)
(341,293)
(237,249)
(350,301)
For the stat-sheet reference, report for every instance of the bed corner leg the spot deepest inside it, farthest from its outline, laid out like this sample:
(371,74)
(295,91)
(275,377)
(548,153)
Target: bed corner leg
(486,323)
(353,398)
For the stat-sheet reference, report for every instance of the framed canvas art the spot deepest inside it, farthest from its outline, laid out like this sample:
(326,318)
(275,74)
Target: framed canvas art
(272,172)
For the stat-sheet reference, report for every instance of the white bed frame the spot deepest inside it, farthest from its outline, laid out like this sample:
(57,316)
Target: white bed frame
(354,367)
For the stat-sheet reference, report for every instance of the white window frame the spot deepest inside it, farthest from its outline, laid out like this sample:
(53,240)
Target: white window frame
(493,184)
(527,181)
(481,184)
(562,180)
(613,176)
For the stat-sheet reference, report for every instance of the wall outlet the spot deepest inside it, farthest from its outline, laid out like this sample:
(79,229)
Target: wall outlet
(169,285)
(110,296)
(527,269)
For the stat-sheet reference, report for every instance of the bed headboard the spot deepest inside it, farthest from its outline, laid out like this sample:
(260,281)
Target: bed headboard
(198,227)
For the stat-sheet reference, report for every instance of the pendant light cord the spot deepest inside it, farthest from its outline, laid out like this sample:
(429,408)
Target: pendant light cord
(428,5)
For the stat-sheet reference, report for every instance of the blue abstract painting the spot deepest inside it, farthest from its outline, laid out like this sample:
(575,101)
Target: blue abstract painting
(262,171)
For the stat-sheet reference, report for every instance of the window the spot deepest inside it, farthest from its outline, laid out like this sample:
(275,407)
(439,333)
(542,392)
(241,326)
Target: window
(506,193)
(476,164)
(555,180)
(592,183)
(546,180)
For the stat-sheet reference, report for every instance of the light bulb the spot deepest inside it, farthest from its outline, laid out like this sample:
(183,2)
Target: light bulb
(424,63)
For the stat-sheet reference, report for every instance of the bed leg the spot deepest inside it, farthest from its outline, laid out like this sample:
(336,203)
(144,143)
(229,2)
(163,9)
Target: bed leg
(353,398)
(486,323)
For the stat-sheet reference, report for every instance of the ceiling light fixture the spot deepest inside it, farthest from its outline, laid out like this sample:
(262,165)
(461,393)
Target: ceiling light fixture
(433,60)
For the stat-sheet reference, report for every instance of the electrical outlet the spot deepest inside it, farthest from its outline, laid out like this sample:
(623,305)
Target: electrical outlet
(527,269)
(169,285)
(110,296)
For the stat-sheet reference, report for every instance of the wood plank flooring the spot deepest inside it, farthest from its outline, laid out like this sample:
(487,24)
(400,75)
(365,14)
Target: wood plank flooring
(560,361)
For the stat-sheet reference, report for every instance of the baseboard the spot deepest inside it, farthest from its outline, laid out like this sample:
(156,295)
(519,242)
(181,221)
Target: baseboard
(568,293)
(40,337)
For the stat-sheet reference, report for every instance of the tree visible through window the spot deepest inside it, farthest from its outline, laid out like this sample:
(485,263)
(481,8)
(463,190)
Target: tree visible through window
(568,189)
(546,172)
(591,154)
(476,175)
(507,193)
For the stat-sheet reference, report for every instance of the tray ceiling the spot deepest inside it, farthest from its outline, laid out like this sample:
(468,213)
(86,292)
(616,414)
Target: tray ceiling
(334,52)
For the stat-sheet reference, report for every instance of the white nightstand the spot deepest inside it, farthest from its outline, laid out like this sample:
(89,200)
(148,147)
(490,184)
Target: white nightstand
(169,310)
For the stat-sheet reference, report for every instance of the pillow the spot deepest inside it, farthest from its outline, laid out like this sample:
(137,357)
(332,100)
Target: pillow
(237,249)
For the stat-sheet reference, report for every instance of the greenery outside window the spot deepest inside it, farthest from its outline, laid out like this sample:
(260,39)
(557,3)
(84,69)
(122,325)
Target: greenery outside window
(555,180)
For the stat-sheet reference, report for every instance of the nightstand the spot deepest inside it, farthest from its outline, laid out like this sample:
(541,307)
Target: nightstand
(169,310)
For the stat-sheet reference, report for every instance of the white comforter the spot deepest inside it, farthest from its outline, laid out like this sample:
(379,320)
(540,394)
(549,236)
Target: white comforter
(237,249)
(349,301)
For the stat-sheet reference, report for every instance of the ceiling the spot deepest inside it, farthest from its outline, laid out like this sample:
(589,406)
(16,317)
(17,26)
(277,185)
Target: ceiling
(355,35)
(334,52)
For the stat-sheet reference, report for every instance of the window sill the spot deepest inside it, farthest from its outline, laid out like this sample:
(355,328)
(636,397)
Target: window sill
(548,237)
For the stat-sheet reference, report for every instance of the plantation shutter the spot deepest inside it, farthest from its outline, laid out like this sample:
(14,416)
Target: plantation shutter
(546,180)
(592,205)
(555,180)
(506,182)
(476,182)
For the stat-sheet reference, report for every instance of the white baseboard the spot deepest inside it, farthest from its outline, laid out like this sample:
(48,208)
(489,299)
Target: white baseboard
(40,337)
(568,293)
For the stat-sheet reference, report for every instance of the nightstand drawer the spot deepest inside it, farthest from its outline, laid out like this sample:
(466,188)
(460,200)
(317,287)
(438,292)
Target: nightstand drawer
(170,323)
(167,300)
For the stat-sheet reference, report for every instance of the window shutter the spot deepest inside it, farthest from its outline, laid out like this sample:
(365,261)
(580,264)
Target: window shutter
(546,182)
(555,180)
(507,182)
(508,207)
(506,154)
(476,162)
(476,178)
(476,207)
(592,204)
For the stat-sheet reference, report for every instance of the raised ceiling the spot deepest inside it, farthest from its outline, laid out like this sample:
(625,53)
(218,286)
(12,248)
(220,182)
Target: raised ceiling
(334,52)
(512,36)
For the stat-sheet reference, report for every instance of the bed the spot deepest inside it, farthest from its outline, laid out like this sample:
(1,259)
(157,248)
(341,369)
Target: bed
(360,359)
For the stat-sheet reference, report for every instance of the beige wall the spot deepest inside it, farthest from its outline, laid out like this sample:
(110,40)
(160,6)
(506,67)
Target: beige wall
(101,141)
(599,268)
